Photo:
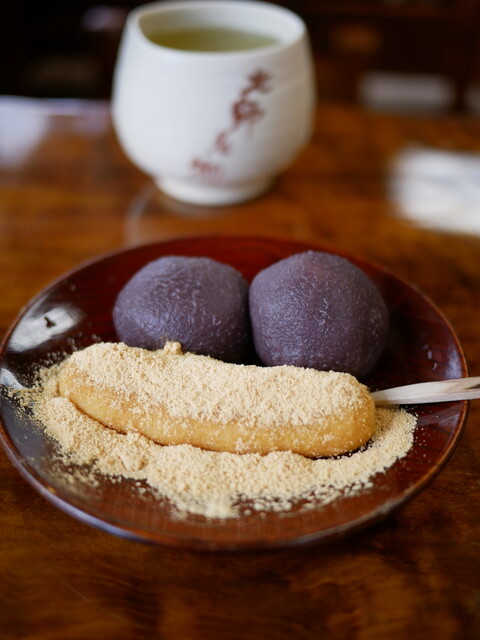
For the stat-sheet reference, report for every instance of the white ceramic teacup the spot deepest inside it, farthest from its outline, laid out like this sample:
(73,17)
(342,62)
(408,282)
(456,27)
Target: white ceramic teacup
(213,127)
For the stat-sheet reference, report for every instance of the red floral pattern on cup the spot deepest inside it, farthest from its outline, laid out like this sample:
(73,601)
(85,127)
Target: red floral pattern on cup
(245,111)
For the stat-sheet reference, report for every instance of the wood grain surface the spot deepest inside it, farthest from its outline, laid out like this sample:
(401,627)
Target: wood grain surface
(67,194)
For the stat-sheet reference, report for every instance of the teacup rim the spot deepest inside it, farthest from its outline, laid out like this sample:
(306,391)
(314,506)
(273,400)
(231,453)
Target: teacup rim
(133,23)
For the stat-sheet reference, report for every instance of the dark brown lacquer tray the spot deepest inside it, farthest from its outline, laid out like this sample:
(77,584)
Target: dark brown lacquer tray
(75,311)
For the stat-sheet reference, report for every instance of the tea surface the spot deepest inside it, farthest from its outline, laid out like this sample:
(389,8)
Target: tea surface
(211,39)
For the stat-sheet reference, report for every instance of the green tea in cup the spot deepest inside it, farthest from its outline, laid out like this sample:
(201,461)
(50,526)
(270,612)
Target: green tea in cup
(212,38)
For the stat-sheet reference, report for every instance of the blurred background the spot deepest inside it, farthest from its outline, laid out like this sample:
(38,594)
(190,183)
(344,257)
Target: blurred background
(390,55)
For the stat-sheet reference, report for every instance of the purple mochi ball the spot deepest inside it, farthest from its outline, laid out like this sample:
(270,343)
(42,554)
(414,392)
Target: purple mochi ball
(318,310)
(199,302)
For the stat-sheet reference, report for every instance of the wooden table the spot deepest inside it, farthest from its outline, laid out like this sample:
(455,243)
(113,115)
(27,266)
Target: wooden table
(67,193)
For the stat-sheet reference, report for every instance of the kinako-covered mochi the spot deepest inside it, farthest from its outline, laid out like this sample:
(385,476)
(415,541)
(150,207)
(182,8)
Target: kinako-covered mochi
(182,398)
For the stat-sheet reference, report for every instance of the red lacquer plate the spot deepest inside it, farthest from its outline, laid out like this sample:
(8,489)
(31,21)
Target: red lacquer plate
(75,311)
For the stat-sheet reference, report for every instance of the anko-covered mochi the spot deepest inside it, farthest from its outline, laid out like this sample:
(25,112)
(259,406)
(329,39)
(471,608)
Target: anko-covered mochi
(197,301)
(318,310)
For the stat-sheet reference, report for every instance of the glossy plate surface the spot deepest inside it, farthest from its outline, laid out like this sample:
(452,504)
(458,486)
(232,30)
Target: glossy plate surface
(75,310)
